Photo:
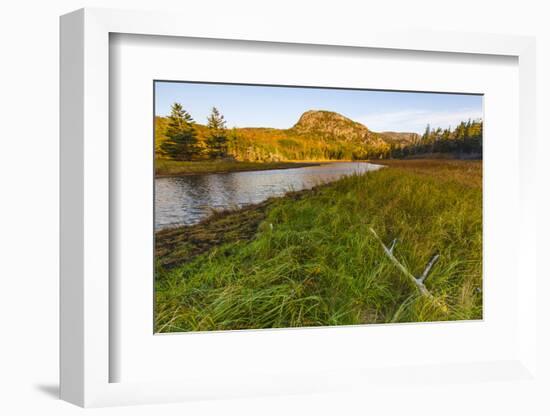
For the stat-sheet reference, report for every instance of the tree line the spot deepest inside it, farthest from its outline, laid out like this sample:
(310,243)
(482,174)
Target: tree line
(182,142)
(464,139)
(217,142)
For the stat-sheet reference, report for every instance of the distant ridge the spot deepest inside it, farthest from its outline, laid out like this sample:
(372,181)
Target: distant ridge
(400,137)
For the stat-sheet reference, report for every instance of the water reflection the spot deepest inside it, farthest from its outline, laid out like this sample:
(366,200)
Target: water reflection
(187,200)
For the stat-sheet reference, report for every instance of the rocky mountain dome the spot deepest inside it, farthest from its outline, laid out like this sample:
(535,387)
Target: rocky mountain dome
(335,127)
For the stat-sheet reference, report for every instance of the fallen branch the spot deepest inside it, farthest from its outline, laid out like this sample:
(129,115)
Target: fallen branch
(419,282)
(393,243)
(428,268)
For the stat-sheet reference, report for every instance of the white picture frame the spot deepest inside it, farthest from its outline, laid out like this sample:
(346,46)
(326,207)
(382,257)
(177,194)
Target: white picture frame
(85,211)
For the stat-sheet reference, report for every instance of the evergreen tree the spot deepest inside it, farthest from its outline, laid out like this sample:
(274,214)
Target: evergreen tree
(216,141)
(426,134)
(181,139)
(465,138)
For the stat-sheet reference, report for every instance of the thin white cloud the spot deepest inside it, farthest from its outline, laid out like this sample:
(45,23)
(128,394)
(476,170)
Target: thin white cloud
(416,120)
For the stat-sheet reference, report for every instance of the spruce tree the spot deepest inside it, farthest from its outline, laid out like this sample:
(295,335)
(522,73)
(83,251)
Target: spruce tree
(426,135)
(181,139)
(216,141)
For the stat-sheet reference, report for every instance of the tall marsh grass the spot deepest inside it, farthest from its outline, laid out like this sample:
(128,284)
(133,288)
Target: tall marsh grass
(313,261)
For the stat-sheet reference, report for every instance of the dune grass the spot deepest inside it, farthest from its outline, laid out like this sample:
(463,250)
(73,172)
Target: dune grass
(310,260)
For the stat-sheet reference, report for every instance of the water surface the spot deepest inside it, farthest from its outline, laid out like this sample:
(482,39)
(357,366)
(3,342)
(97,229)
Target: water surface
(186,200)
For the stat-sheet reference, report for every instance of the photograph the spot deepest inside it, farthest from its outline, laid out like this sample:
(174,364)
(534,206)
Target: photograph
(280,206)
(238,208)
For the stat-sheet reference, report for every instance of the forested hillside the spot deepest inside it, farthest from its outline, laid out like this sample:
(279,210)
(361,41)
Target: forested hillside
(318,135)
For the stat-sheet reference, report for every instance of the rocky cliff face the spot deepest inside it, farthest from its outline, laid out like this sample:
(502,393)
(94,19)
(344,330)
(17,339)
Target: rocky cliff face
(335,127)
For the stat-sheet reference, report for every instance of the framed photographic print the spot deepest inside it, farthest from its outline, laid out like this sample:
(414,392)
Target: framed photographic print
(287,213)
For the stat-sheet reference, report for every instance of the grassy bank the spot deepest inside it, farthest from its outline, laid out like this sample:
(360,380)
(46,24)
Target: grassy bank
(178,168)
(309,259)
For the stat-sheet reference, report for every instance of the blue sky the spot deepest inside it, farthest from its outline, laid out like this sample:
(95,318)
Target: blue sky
(280,107)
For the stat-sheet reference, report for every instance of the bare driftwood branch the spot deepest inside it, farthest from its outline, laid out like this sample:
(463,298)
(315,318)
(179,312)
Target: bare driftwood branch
(393,243)
(428,268)
(419,282)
